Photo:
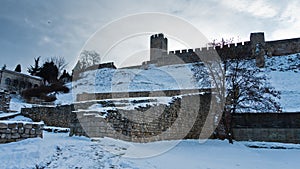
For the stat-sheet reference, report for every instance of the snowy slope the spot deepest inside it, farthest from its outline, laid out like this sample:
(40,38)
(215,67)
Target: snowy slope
(154,78)
(58,150)
(284,73)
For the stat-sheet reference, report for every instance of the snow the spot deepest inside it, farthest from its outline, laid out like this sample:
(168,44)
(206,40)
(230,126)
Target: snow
(58,150)
(20,118)
(5,115)
(24,122)
(288,84)
(16,103)
(120,80)
(284,72)
(131,103)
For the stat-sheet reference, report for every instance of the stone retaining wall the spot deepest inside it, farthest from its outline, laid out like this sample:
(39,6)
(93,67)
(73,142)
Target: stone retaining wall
(161,93)
(11,131)
(275,127)
(183,118)
(163,122)
(59,116)
(4,101)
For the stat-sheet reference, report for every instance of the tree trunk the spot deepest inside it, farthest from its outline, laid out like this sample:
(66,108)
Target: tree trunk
(228,126)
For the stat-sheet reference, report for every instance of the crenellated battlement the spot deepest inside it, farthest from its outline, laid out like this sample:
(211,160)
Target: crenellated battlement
(233,46)
(256,48)
(160,35)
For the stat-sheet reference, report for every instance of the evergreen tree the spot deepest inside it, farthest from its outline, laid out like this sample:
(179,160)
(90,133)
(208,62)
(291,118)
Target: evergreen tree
(18,68)
(4,67)
(49,72)
(33,70)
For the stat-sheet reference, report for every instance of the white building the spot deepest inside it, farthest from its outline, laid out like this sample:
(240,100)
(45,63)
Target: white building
(16,82)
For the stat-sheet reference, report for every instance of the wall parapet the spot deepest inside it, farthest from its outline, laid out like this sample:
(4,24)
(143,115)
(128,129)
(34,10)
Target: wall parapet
(274,127)
(12,131)
(117,124)
(159,93)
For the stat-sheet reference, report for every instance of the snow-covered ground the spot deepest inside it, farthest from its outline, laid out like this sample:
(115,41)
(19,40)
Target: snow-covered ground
(58,150)
(16,103)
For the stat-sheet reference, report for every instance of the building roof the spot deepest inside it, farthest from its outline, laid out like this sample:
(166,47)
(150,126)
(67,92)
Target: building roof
(21,74)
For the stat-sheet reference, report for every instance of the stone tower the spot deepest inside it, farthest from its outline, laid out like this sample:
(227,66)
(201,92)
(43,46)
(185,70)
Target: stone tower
(158,46)
(258,48)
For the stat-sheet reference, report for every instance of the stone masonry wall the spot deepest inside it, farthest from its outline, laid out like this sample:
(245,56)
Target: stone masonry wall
(15,131)
(168,93)
(275,127)
(165,122)
(59,116)
(183,118)
(4,101)
(283,47)
(246,50)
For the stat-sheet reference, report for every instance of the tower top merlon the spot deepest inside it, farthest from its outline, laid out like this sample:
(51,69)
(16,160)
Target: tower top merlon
(159,35)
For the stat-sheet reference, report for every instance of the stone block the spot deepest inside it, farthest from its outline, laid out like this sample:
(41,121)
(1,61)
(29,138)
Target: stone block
(3,136)
(19,139)
(25,135)
(12,125)
(20,125)
(38,131)
(3,126)
(27,131)
(10,140)
(15,136)
(21,130)
(2,140)
(14,130)
(8,131)
(35,126)
(32,136)
(28,126)
(8,136)
(32,131)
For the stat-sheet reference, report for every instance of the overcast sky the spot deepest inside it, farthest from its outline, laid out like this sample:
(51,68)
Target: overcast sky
(32,28)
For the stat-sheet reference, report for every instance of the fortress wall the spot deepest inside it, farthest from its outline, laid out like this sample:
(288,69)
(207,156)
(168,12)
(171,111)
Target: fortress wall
(231,51)
(283,47)
(275,127)
(165,122)
(246,50)
(161,93)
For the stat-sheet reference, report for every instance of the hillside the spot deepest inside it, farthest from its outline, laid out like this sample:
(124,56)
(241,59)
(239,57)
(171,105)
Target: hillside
(283,71)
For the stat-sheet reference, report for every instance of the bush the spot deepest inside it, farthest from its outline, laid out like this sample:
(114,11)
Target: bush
(43,92)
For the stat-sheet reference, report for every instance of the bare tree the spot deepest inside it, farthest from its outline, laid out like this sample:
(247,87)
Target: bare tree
(248,88)
(223,42)
(240,86)
(89,58)
(59,61)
